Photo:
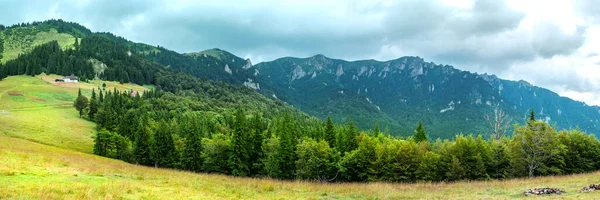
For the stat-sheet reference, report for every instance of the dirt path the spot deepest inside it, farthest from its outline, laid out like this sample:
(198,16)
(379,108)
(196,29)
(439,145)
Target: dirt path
(43,106)
(2,94)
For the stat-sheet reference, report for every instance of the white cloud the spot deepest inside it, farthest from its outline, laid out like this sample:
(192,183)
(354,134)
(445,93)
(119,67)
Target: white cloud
(553,44)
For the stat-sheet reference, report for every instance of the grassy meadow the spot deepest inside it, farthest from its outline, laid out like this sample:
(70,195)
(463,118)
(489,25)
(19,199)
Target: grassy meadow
(23,39)
(45,153)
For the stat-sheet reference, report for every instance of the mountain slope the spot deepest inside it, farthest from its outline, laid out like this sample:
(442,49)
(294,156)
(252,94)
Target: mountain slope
(42,160)
(399,93)
(128,62)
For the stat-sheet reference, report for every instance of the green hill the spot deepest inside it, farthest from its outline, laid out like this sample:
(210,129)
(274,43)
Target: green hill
(45,150)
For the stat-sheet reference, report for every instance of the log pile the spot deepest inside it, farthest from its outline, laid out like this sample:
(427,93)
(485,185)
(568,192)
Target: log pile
(541,191)
(591,188)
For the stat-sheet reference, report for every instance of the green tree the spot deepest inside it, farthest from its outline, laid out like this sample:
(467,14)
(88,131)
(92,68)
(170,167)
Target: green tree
(143,138)
(532,148)
(192,157)
(257,140)
(93,105)
(329,132)
(456,171)
(240,155)
(499,167)
(80,103)
(315,160)
(272,157)
(215,154)
(419,135)
(357,164)
(164,148)
(428,167)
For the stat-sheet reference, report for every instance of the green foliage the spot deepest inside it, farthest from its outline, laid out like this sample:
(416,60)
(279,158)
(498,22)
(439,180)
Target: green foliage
(315,160)
(241,145)
(329,132)
(534,147)
(499,167)
(215,154)
(112,145)
(93,105)
(142,143)
(80,103)
(419,134)
(163,146)
(272,157)
(192,157)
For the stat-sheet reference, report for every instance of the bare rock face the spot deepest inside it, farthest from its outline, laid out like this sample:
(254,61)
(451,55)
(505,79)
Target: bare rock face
(227,69)
(340,71)
(298,73)
(248,64)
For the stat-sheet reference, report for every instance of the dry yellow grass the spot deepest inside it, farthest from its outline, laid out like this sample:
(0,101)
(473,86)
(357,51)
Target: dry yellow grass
(32,170)
(45,154)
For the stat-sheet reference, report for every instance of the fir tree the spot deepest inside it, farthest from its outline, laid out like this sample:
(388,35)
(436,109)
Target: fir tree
(193,143)
(93,105)
(141,150)
(329,132)
(239,159)
(164,149)
(419,134)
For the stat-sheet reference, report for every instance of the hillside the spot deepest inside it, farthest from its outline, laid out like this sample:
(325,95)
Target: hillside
(399,93)
(45,165)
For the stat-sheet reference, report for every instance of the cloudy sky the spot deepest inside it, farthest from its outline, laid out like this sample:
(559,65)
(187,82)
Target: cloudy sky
(553,44)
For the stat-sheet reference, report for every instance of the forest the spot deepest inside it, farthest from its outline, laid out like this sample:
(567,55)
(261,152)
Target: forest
(206,126)
(155,129)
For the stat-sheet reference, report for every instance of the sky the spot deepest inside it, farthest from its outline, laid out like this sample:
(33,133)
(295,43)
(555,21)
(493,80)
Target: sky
(550,43)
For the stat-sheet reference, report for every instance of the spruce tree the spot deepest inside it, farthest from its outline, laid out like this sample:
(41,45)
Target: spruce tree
(377,131)
(350,137)
(419,134)
(287,147)
(164,149)
(192,159)
(93,105)
(257,139)
(329,132)
(141,149)
(240,157)
(532,115)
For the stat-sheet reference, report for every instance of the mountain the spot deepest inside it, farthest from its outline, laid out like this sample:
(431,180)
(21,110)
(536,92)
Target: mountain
(108,57)
(396,94)
(399,93)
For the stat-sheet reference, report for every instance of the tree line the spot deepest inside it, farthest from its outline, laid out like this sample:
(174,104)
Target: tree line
(283,146)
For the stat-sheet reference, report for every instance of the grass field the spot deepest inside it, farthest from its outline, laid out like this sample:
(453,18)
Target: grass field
(23,39)
(45,154)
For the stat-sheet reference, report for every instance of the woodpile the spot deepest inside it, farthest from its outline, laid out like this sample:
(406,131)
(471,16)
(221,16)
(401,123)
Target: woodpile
(591,188)
(541,191)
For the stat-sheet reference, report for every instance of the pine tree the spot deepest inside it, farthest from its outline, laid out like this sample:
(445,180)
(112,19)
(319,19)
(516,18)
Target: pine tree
(329,132)
(531,115)
(164,149)
(93,105)
(377,131)
(419,134)
(257,139)
(350,137)
(192,157)
(101,96)
(141,150)
(287,148)
(240,157)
